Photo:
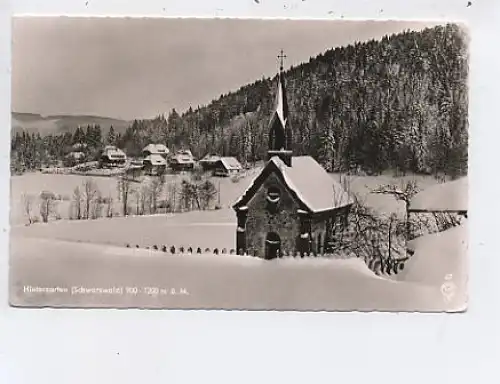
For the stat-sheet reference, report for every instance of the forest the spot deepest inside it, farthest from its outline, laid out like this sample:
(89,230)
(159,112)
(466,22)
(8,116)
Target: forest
(399,104)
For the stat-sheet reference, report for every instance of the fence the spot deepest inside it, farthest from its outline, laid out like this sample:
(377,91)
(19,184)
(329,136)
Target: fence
(377,266)
(186,250)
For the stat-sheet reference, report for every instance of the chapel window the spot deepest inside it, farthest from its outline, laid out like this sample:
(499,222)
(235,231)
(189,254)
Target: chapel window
(273,199)
(273,194)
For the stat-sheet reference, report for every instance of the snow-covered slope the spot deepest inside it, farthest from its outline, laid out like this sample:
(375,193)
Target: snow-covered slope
(440,258)
(228,282)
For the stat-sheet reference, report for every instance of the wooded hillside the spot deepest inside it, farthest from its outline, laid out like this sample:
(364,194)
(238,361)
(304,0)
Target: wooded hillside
(396,104)
(400,103)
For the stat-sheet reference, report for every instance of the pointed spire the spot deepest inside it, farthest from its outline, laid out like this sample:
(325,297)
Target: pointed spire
(281,105)
(279,133)
(281,99)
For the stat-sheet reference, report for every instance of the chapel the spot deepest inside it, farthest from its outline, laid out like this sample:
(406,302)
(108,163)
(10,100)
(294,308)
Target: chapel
(293,203)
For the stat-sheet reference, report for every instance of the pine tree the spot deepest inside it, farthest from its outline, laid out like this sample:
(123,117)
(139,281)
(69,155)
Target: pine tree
(111,137)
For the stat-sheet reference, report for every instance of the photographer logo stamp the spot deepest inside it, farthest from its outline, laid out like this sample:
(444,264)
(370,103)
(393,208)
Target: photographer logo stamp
(448,288)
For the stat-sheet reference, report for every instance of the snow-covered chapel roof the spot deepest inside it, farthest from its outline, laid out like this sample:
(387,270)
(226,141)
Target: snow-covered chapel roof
(308,180)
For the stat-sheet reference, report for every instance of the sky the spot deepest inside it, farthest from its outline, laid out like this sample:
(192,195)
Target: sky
(138,68)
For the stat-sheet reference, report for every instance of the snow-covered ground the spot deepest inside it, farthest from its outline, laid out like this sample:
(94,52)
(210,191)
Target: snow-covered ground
(205,281)
(440,258)
(93,254)
(212,229)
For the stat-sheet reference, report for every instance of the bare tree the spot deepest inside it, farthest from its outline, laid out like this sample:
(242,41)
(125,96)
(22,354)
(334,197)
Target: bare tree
(207,193)
(77,202)
(124,189)
(134,172)
(97,205)
(142,199)
(172,191)
(380,241)
(47,203)
(137,195)
(28,201)
(155,190)
(189,195)
(90,192)
(109,207)
(404,193)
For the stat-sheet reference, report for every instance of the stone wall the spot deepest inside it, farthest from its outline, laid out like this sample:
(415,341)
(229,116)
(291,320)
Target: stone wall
(261,221)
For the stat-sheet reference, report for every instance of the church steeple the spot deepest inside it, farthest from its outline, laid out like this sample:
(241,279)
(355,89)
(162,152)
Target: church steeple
(280,136)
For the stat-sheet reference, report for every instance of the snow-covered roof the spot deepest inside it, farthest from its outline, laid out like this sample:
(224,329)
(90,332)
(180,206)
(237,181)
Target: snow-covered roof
(183,156)
(156,148)
(155,159)
(210,158)
(451,196)
(309,181)
(230,163)
(113,152)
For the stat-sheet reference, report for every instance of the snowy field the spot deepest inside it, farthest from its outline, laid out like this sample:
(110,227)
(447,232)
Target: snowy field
(213,229)
(35,182)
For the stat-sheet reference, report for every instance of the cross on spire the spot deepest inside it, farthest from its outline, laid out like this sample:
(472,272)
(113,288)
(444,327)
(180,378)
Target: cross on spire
(281,56)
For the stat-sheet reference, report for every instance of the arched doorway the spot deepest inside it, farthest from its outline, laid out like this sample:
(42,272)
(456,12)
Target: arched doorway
(273,246)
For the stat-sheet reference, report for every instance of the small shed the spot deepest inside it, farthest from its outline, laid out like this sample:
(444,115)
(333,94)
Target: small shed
(76,155)
(450,197)
(209,162)
(74,158)
(227,166)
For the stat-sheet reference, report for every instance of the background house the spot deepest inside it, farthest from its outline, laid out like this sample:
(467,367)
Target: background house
(182,160)
(227,166)
(155,158)
(112,157)
(79,147)
(155,149)
(155,164)
(74,157)
(209,162)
